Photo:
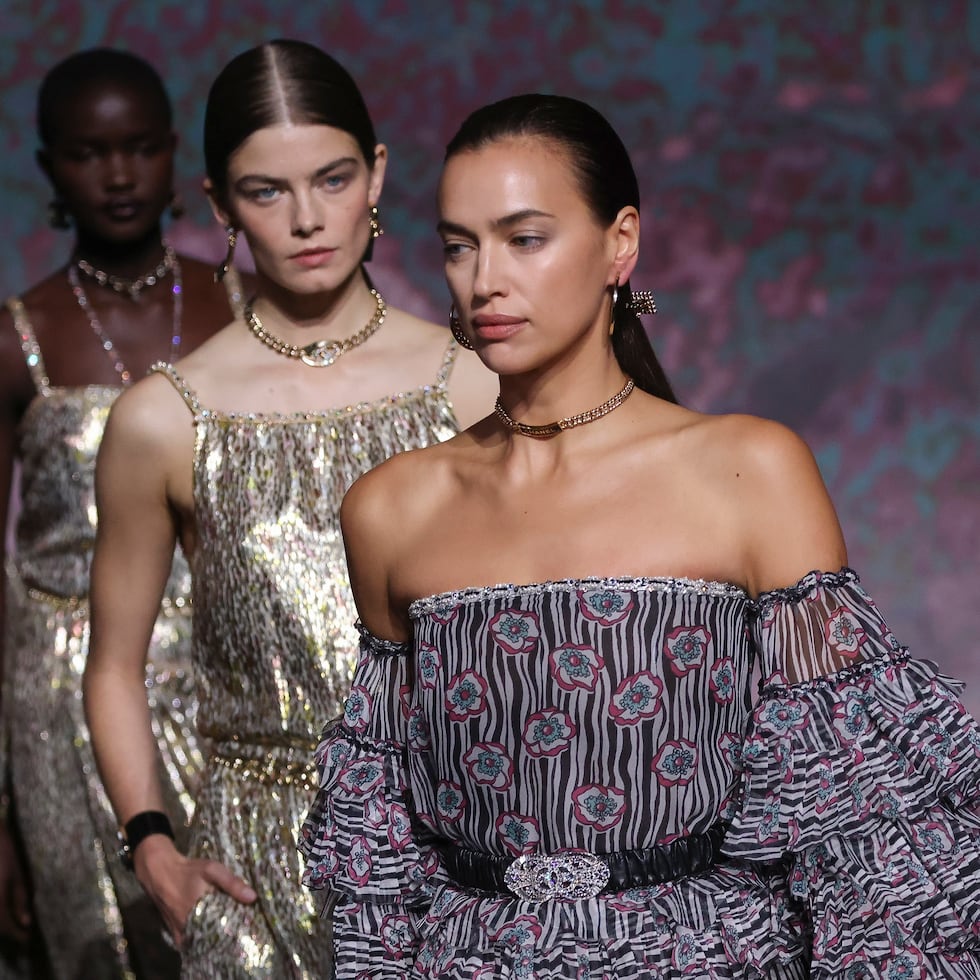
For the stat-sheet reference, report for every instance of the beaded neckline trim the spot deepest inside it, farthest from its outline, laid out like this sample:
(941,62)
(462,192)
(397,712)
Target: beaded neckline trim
(674,586)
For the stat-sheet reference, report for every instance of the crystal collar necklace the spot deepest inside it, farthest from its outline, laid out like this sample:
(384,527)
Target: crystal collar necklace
(321,353)
(553,428)
(132,287)
(177,289)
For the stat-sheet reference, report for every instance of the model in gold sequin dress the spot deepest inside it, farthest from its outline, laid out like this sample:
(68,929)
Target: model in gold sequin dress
(95,918)
(274,650)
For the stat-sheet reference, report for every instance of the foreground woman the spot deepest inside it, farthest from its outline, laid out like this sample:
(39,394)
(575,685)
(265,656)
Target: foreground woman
(246,450)
(68,348)
(571,775)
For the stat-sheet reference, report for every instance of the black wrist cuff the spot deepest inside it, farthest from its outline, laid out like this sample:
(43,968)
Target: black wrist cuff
(137,829)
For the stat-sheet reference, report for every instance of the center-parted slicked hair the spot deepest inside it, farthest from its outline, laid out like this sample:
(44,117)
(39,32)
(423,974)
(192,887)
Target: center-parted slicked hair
(606,178)
(280,82)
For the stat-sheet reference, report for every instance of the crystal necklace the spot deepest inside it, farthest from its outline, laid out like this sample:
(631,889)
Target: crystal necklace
(99,330)
(321,353)
(133,287)
(553,428)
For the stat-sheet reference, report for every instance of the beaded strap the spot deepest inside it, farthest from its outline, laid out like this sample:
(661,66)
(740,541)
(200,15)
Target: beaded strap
(29,345)
(183,389)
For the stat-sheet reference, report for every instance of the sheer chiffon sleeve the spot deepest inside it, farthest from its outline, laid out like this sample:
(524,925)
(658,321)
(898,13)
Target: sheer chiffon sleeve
(863,767)
(359,839)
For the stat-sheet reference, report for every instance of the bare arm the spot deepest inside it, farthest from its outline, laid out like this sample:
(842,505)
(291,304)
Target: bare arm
(790,524)
(144,447)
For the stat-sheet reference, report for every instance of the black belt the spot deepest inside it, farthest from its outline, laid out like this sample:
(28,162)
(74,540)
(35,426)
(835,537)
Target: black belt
(576,874)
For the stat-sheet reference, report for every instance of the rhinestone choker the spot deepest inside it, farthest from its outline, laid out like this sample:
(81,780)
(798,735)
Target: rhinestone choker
(132,287)
(553,428)
(321,353)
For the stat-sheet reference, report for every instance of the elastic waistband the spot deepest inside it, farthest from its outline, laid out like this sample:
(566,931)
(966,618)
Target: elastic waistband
(576,874)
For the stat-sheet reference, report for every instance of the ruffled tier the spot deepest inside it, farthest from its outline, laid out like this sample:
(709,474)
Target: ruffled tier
(871,780)
(730,924)
(357,838)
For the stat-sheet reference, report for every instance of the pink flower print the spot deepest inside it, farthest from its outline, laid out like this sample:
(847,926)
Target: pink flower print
(598,806)
(851,720)
(359,863)
(465,695)
(843,632)
(826,934)
(485,972)
(333,753)
(686,647)
(519,833)
(636,698)
(363,776)
(933,838)
(730,744)
(397,936)
(605,606)
(768,829)
(906,965)
(419,738)
(548,732)
(515,631)
(826,785)
(676,763)
(687,952)
(357,709)
(856,967)
(375,812)
(444,613)
(575,666)
(525,930)
(450,802)
(721,681)
(489,764)
(405,700)
(781,716)
(399,828)
(427,664)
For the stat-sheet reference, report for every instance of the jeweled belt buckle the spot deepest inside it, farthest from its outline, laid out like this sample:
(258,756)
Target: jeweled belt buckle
(568,875)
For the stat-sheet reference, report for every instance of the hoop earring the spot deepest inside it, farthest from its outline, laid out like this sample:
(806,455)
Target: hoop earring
(177,209)
(222,269)
(58,216)
(457,329)
(376,230)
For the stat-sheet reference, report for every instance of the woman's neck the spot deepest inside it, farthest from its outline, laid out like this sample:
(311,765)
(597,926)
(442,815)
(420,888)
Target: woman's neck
(341,311)
(128,260)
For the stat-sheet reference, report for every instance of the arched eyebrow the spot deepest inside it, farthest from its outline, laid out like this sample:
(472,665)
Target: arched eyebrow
(316,175)
(507,221)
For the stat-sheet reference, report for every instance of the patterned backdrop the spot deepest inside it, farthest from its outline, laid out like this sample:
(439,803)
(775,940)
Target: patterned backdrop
(811,180)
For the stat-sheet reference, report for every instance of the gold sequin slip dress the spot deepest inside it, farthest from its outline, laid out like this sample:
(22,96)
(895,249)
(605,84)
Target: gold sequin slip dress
(94,918)
(274,650)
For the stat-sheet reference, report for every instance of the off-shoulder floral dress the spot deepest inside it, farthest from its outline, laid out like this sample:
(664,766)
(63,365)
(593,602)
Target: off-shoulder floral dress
(612,714)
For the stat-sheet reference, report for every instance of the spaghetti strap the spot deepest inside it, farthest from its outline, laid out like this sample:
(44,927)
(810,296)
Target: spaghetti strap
(233,287)
(183,389)
(29,345)
(448,360)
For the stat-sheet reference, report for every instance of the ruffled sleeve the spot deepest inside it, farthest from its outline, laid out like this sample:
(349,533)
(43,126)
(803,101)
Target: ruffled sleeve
(863,767)
(359,839)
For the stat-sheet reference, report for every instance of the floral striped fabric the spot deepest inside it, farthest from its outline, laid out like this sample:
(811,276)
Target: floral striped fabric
(618,713)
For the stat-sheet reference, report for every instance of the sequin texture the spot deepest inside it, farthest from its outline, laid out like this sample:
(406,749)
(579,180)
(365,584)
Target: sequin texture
(274,650)
(94,917)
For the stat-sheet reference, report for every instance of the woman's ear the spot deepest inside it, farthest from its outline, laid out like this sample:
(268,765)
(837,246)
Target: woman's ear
(377,178)
(624,244)
(218,207)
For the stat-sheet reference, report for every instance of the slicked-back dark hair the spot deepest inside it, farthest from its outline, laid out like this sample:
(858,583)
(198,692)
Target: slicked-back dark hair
(606,179)
(93,67)
(280,82)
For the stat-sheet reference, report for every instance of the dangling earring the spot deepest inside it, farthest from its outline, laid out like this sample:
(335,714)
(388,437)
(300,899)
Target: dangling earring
(376,230)
(177,209)
(615,300)
(642,302)
(222,269)
(58,216)
(457,329)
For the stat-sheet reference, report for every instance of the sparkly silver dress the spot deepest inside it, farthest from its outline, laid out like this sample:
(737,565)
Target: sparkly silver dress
(94,918)
(274,650)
